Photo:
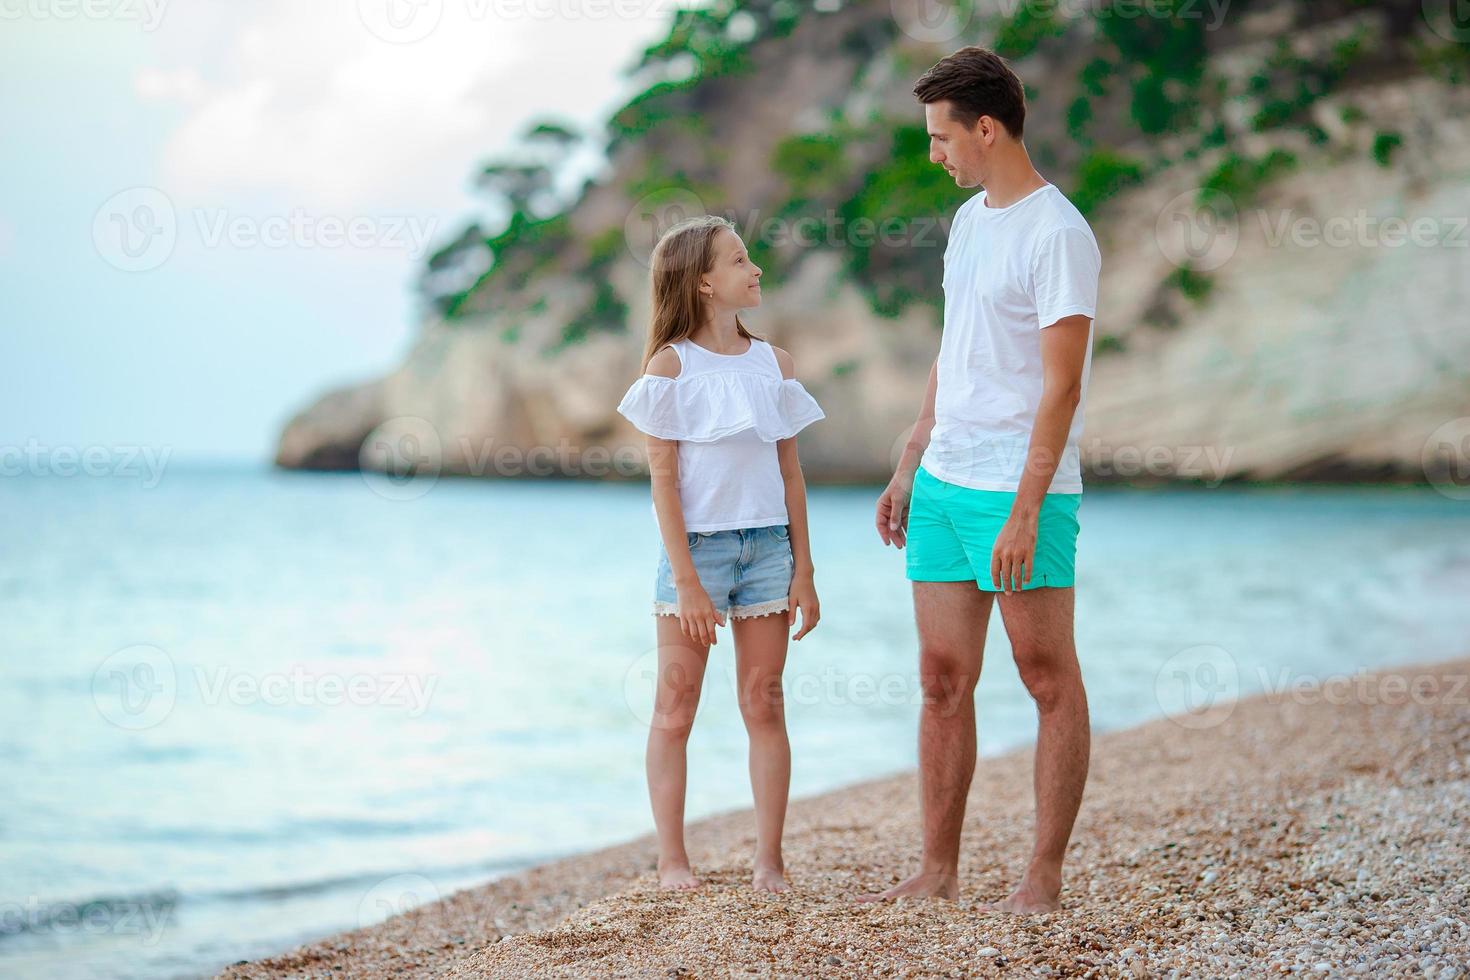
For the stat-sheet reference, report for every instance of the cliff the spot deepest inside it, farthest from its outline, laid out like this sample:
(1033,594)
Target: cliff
(1280,190)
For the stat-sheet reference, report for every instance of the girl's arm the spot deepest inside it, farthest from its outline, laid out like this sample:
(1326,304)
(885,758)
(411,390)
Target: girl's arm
(803,587)
(663,475)
(697,615)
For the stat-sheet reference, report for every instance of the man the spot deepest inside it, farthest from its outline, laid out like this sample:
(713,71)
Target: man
(986,493)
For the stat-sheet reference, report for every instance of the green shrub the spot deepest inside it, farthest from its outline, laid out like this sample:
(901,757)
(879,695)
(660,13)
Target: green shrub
(809,161)
(907,192)
(1193,284)
(1240,178)
(1094,77)
(1023,33)
(1079,114)
(1101,175)
(605,311)
(1383,146)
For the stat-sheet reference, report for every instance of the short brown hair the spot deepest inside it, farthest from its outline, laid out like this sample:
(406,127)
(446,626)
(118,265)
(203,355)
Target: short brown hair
(977,82)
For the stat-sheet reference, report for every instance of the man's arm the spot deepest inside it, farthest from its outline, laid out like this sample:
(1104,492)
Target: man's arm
(1063,355)
(918,441)
(893,506)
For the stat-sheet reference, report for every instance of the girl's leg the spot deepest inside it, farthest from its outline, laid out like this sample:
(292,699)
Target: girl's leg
(760,657)
(681,663)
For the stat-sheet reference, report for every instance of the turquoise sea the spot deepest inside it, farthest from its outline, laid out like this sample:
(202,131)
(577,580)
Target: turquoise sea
(244,708)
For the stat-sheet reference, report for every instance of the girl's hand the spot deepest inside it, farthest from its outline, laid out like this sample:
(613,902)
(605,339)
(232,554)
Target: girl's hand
(803,596)
(697,615)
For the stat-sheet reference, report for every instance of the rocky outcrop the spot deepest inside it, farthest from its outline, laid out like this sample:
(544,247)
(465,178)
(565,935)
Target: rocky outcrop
(1302,324)
(328,434)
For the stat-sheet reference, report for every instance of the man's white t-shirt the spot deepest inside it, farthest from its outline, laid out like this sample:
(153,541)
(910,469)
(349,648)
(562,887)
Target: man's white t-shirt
(1008,274)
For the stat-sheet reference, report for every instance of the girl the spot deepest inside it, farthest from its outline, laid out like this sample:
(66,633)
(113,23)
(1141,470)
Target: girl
(721,409)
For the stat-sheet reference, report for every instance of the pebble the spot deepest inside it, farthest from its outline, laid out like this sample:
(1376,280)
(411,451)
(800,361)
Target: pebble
(1261,801)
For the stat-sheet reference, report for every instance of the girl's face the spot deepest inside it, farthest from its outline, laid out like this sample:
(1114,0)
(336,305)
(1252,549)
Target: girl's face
(733,282)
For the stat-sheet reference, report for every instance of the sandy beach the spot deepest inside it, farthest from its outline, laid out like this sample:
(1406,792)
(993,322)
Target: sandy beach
(1318,832)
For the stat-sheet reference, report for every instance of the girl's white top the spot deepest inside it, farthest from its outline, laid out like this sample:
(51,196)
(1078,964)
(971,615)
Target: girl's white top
(726,411)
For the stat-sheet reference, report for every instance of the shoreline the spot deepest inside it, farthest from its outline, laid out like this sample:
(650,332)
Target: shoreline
(1370,478)
(1289,834)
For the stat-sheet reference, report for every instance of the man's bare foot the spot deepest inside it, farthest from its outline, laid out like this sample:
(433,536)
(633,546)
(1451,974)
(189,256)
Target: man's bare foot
(1039,891)
(925,884)
(676,877)
(768,878)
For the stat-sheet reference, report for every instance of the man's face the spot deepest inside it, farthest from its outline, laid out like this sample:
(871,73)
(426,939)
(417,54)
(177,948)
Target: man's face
(964,153)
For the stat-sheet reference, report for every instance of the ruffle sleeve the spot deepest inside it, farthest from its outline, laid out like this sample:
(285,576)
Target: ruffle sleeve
(710,407)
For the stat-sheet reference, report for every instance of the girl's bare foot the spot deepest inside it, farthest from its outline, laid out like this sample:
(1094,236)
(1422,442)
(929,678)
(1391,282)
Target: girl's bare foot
(925,884)
(676,877)
(769,878)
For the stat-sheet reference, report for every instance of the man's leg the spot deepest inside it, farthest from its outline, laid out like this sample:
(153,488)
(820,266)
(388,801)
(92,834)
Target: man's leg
(1039,624)
(952,618)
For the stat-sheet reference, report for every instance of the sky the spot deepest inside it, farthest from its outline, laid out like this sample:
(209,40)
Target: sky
(211,212)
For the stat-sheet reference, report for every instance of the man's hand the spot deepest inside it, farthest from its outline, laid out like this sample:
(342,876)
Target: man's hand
(893,511)
(1014,554)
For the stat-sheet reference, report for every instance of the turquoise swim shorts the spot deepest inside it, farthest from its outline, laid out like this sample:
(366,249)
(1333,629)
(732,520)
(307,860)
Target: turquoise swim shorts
(952,529)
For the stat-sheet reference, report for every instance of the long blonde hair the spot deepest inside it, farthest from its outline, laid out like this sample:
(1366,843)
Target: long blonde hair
(682,255)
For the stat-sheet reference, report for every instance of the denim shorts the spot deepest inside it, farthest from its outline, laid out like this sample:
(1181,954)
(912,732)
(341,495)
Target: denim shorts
(746,571)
